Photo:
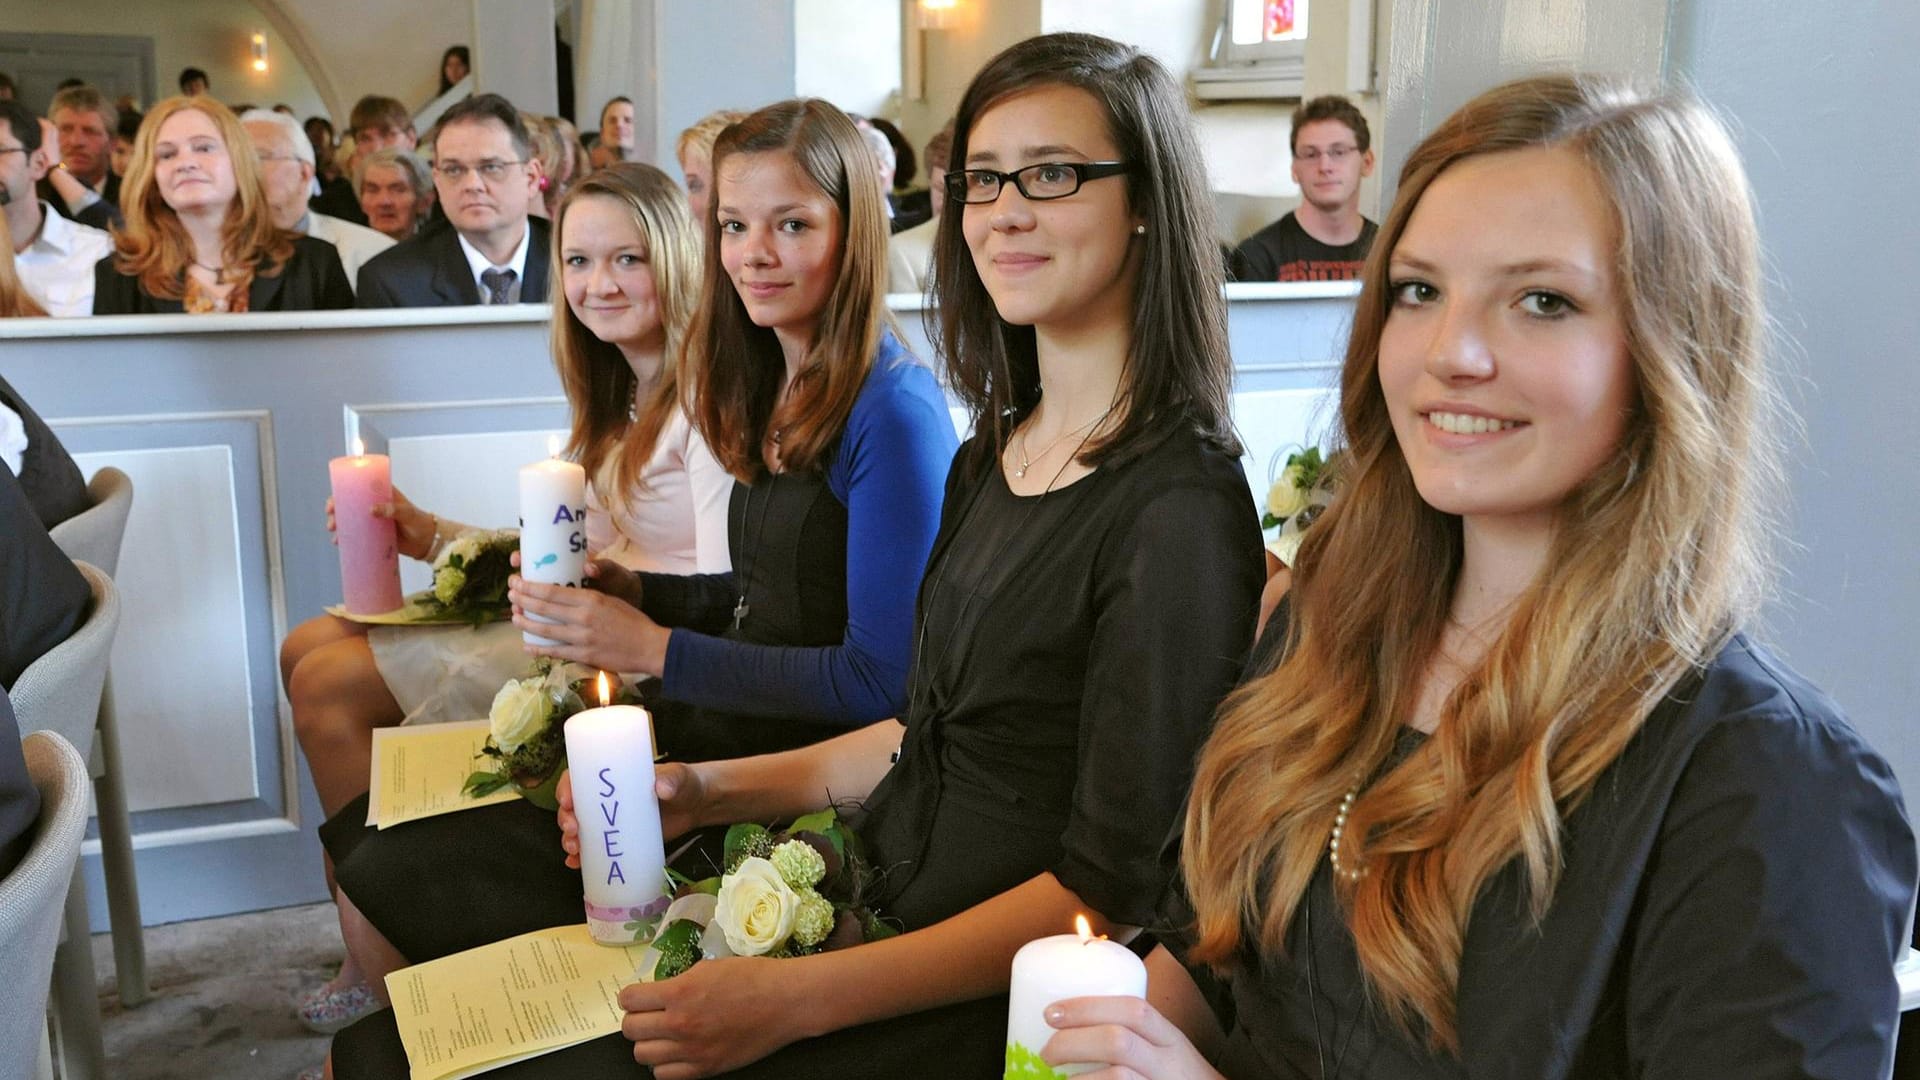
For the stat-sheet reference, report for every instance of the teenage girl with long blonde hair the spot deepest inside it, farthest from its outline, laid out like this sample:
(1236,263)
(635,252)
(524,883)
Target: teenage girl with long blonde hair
(1518,797)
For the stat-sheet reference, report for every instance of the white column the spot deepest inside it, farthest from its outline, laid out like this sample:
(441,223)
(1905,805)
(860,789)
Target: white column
(513,53)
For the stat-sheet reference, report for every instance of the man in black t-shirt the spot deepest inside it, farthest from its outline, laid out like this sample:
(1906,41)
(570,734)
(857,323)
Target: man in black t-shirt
(1325,239)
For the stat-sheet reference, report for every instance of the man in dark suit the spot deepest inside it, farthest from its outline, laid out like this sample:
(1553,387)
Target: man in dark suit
(82,187)
(40,464)
(490,252)
(19,799)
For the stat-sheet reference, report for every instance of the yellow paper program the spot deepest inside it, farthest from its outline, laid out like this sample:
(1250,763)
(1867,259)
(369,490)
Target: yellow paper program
(471,1012)
(418,771)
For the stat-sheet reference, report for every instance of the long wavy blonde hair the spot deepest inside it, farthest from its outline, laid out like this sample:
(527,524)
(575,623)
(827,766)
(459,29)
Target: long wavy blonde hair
(1656,559)
(613,434)
(154,246)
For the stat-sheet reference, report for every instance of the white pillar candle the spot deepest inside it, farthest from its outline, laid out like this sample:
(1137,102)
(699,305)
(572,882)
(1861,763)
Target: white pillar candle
(553,526)
(623,863)
(1057,968)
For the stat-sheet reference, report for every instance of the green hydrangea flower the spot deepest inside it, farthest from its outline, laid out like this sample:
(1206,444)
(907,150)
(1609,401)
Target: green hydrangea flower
(813,919)
(800,866)
(1024,1064)
(447,583)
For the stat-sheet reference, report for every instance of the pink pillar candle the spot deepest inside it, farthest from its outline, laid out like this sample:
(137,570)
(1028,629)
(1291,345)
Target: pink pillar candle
(369,547)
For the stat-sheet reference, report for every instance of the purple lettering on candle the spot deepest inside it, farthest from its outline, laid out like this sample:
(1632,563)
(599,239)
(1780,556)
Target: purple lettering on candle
(606,838)
(562,514)
(614,874)
(613,815)
(603,779)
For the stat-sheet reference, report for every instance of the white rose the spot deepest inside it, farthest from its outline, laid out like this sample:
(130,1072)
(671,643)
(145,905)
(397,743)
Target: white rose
(466,546)
(1284,498)
(755,908)
(519,712)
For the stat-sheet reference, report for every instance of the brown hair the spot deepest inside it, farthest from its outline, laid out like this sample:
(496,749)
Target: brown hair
(15,301)
(1330,107)
(1178,371)
(376,111)
(154,247)
(87,98)
(1655,560)
(598,381)
(733,368)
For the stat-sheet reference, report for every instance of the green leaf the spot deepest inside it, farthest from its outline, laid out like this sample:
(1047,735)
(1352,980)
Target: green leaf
(820,821)
(1024,1064)
(481,784)
(745,841)
(679,948)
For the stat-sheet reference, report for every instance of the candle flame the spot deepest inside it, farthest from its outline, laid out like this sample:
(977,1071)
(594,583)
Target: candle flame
(1082,927)
(606,695)
(553,446)
(359,446)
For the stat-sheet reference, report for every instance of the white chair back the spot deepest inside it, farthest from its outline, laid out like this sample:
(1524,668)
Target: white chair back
(61,690)
(94,534)
(32,898)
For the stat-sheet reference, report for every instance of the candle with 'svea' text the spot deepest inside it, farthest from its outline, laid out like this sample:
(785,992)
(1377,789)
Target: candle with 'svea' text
(622,858)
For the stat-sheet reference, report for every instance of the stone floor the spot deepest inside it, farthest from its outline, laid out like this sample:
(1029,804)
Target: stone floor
(222,997)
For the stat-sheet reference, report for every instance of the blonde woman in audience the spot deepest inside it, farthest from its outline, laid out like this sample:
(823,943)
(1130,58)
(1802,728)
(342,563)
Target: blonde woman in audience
(552,155)
(629,267)
(1514,794)
(15,301)
(695,152)
(199,234)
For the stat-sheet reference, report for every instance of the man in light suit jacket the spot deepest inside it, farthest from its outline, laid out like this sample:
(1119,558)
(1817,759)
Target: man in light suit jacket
(490,251)
(286,171)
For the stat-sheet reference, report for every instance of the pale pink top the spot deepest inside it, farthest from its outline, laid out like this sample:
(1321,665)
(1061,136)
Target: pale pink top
(678,525)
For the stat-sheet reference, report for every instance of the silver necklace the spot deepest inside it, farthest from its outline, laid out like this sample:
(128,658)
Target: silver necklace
(1025,464)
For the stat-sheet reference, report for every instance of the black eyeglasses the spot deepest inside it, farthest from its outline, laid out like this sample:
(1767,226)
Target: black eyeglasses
(1047,180)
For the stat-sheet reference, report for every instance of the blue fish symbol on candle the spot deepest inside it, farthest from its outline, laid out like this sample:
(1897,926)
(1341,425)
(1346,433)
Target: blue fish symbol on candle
(546,560)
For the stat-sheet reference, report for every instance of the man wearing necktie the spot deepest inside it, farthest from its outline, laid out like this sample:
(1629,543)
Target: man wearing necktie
(489,251)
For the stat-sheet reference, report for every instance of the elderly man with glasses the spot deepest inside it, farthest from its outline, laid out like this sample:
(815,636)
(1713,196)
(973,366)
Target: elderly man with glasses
(487,178)
(1325,238)
(286,172)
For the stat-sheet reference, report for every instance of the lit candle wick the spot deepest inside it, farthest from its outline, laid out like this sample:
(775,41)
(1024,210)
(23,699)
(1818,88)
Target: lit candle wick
(553,446)
(359,446)
(1083,928)
(606,695)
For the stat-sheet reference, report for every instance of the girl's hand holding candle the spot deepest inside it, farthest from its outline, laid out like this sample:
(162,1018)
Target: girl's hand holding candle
(1054,969)
(622,858)
(553,525)
(369,548)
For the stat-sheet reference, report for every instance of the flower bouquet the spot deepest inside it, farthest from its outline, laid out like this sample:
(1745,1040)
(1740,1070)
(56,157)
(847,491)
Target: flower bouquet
(805,889)
(1303,491)
(528,744)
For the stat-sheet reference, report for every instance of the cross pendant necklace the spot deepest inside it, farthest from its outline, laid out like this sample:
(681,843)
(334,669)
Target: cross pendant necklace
(740,611)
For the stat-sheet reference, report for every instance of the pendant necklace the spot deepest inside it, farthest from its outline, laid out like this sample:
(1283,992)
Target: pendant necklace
(219,272)
(741,609)
(1020,473)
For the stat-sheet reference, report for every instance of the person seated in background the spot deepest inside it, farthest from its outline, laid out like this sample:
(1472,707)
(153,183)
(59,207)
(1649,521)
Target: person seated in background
(694,150)
(376,123)
(616,133)
(911,205)
(15,301)
(883,163)
(910,251)
(455,64)
(125,131)
(1515,795)
(396,191)
(194,82)
(494,253)
(1325,238)
(200,236)
(80,184)
(286,173)
(53,256)
(552,156)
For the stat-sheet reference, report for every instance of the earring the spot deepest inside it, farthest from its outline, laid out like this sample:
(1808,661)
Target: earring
(1139,230)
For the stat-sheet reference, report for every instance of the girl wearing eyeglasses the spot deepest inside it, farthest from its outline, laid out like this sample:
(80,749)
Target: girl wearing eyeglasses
(199,234)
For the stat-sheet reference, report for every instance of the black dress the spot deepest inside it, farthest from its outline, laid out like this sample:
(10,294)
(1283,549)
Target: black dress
(1734,896)
(311,280)
(1071,652)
